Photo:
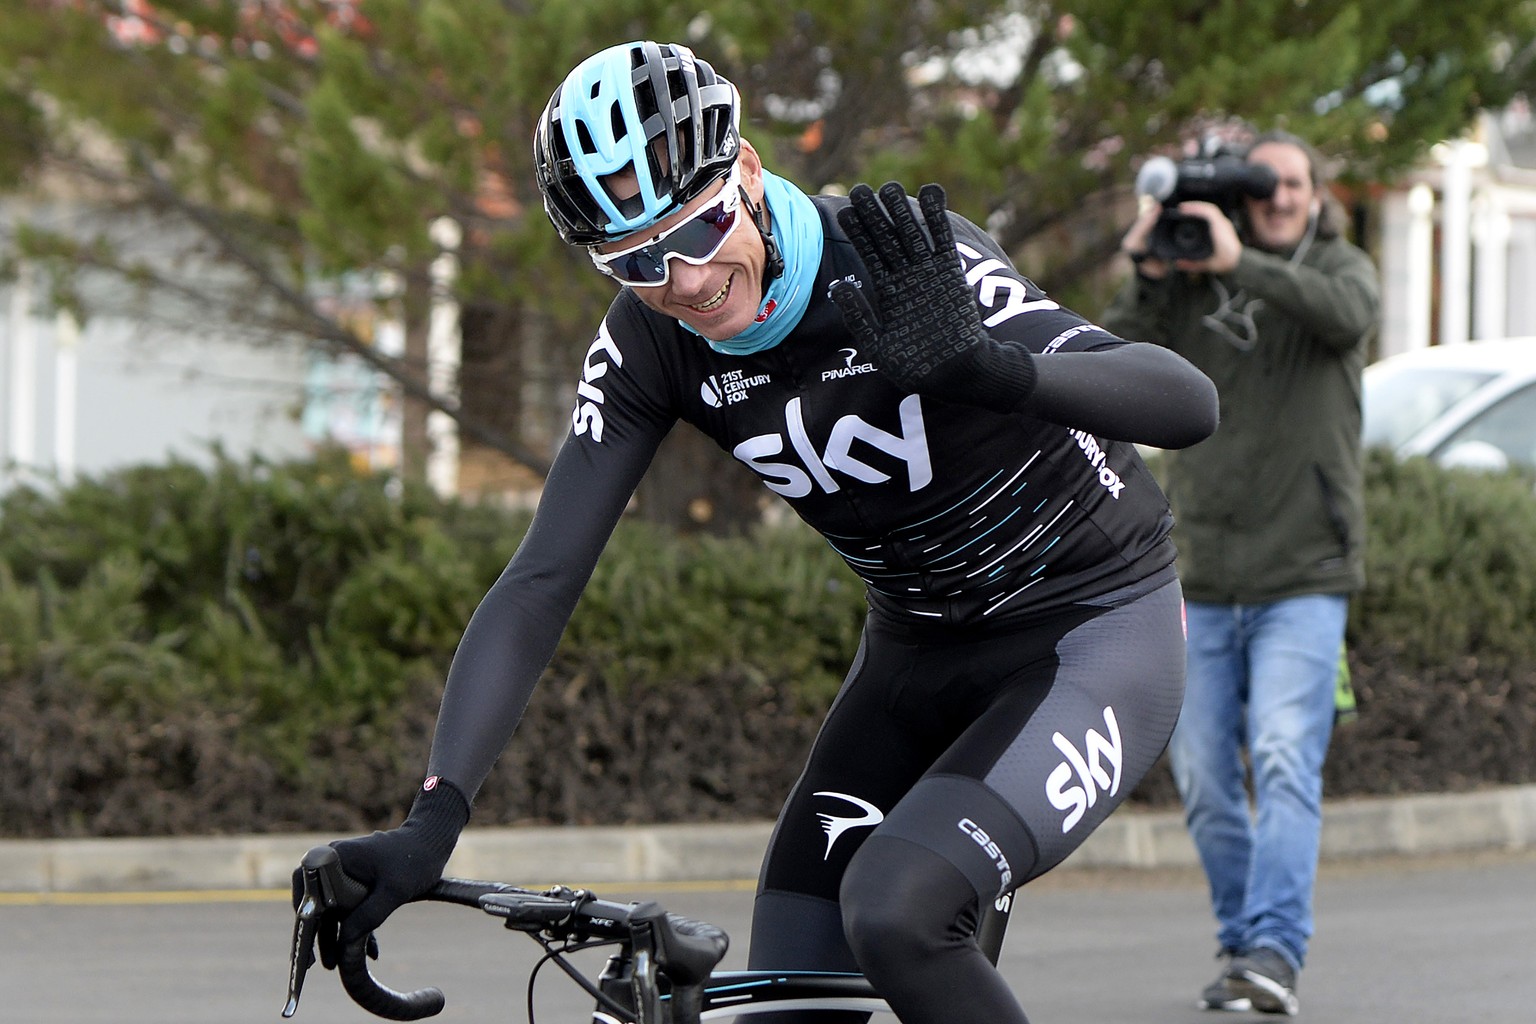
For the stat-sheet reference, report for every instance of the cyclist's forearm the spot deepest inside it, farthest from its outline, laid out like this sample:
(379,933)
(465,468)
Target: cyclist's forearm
(1135,392)
(492,679)
(513,634)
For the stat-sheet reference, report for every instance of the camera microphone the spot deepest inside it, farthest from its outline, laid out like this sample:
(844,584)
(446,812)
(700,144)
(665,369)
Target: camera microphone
(1157,178)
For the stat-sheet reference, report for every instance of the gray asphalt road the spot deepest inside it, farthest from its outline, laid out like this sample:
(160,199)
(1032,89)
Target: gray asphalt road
(1417,942)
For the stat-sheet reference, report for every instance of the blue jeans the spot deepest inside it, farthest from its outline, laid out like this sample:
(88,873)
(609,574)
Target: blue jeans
(1261,676)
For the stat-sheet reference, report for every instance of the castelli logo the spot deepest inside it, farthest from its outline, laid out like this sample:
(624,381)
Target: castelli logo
(766,313)
(429,783)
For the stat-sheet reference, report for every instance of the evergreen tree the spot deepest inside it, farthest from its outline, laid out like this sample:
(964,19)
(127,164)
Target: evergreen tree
(293,152)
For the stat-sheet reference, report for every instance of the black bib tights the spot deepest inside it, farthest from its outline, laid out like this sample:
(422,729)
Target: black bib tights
(947,774)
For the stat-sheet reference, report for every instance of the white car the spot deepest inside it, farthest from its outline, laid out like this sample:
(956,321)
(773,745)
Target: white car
(1471,405)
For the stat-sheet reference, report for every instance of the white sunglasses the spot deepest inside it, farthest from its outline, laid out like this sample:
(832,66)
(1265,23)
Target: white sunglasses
(694,241)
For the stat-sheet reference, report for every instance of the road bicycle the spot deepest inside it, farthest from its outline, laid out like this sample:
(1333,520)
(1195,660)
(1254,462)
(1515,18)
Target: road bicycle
(662,970)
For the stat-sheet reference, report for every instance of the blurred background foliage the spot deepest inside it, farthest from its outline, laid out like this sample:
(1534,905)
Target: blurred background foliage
(260,647)
(288,152)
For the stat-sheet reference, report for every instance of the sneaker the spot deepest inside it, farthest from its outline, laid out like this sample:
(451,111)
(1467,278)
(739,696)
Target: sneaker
(1220,994)
(1266,979)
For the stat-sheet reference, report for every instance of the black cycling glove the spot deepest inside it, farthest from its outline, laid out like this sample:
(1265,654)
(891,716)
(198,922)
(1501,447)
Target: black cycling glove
(396,866)
(916,312)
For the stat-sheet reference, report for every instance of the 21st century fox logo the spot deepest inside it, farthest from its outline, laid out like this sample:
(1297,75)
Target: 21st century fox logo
(729,388)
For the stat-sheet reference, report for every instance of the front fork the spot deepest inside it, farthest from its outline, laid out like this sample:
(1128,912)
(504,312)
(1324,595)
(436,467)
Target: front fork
(617,983)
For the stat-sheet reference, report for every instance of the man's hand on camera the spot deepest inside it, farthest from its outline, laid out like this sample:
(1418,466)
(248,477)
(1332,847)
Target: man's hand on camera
(915,311)
(1226,247)
(1138,238)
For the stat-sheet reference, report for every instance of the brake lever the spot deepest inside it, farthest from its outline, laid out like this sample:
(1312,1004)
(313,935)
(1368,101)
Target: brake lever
(306,924)
(324,888)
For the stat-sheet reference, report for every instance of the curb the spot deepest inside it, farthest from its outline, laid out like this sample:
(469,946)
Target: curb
(1419,825)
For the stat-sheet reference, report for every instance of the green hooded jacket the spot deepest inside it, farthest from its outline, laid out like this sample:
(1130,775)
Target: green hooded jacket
(1271,505)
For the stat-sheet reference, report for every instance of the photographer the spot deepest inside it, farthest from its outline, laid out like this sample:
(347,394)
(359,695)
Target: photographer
(1270,530)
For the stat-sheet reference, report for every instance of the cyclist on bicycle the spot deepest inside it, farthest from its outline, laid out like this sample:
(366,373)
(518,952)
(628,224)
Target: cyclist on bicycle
(963,441)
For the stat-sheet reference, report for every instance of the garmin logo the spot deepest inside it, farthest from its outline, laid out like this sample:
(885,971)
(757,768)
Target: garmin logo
(849,368)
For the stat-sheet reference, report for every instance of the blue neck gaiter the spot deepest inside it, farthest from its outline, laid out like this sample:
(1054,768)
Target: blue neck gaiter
(797,227)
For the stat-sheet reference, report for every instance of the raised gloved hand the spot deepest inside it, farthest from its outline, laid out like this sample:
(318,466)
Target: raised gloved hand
(396,866)
(916,313)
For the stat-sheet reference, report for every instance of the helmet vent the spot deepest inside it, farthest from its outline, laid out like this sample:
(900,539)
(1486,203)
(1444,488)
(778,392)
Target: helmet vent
(647,103)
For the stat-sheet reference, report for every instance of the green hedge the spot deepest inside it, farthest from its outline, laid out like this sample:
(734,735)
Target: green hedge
(260,647)
(1443,639)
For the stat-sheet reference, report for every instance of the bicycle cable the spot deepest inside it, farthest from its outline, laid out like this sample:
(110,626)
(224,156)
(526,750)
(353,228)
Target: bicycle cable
(557,957)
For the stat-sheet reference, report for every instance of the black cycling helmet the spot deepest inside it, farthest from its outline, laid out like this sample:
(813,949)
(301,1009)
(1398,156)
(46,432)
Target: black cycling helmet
(651,108)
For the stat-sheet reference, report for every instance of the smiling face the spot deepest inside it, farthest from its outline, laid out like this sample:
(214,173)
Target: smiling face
(720,298)
(1280,222)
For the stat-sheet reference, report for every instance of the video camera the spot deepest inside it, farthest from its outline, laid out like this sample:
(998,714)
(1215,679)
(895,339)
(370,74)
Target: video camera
(1222,178)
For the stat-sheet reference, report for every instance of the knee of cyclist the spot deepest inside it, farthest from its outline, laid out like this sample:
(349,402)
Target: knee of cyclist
(898,910)
(879,930)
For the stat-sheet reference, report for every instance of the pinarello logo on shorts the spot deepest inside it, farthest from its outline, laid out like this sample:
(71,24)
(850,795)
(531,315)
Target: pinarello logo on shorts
(430,783)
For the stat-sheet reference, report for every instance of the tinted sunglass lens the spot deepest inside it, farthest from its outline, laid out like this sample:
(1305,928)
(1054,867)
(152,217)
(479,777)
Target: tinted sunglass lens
(698,239)
(706,234)
(701,238)
(643,266)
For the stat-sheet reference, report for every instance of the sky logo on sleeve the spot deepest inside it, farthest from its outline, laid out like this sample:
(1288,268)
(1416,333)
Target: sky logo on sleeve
(588,415)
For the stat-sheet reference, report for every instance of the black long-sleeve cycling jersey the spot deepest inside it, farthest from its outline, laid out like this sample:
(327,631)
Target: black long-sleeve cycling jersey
(955,517)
